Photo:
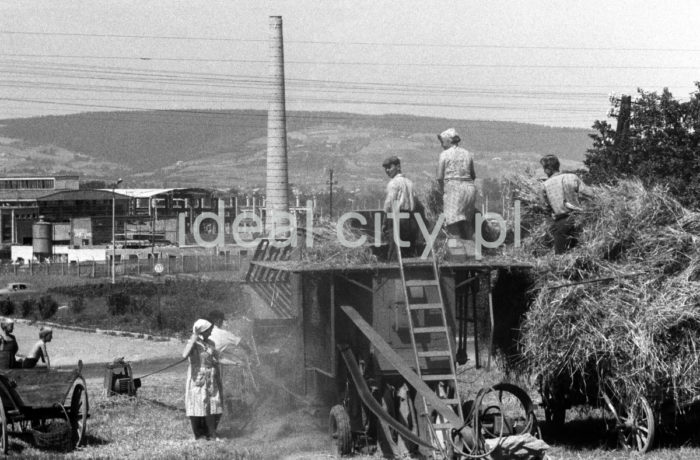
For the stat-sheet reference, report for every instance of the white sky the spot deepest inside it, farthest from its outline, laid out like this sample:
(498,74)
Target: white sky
(544,62)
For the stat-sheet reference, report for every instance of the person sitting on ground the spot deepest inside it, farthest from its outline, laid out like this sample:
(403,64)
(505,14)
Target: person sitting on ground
(38,351)
(8,343)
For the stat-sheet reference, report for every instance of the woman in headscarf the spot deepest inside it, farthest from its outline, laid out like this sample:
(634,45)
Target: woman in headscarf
(8,343)
(455,177)
(203,391)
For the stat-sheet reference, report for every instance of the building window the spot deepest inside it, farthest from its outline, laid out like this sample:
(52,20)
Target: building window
(27,184)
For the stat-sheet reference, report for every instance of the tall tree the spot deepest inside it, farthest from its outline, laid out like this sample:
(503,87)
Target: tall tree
(659,145)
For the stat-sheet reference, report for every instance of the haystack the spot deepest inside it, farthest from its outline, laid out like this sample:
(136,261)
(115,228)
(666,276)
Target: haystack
(621,311)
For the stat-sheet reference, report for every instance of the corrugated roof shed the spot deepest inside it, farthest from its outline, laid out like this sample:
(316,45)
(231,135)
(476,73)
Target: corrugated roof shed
(83,195)
(142,192)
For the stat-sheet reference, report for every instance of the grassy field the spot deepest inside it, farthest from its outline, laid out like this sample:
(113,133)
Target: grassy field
(153,425)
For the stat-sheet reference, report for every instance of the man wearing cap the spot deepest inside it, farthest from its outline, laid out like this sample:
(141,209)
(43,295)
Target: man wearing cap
(455,176)
(400,197)
(561,192)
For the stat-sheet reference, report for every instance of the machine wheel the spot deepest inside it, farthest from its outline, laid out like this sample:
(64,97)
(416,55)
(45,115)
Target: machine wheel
(635,424)
(508,410)
(78,413)
(339,429)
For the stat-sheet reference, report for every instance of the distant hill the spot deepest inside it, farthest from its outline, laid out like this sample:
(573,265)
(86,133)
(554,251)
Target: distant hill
(228,148)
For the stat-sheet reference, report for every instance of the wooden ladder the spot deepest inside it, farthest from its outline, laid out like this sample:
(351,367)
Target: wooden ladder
(439,345)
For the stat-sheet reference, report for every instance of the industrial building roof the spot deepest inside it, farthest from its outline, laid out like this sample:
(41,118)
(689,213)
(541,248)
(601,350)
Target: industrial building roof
(88,194)
(142,192)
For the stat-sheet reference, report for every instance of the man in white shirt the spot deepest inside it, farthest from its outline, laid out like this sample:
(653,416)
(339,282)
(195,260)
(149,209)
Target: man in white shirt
(400,195)
(229,347)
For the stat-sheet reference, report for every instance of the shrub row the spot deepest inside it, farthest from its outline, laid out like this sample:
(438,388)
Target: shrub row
(168,308)
(42,308)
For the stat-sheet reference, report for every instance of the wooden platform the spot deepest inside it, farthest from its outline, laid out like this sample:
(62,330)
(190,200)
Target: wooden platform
(298,266)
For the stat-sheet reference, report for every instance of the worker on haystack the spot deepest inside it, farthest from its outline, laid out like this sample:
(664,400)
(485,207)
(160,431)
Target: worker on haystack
(204,389)
(38,351)
(401,197)
(455,177)
(561,192)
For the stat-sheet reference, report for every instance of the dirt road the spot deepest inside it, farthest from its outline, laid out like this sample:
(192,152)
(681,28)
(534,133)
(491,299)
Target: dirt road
(68,346)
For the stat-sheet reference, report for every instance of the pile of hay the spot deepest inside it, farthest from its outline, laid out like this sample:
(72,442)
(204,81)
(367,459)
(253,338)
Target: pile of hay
(328,249)
(622,309)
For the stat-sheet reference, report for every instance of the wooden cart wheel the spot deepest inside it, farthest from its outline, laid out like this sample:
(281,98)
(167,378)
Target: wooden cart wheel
(339,429)
(78,414)
(3,426)
(635,425)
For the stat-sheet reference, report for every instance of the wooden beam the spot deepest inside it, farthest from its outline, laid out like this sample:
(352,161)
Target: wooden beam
(357,283)
(404,369)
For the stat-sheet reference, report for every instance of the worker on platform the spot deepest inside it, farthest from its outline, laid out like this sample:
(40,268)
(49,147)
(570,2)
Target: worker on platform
(401,197)
(455,177)
(562,192)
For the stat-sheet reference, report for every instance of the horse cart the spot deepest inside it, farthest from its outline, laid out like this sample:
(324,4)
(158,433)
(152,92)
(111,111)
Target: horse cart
(382,344)
(32,399)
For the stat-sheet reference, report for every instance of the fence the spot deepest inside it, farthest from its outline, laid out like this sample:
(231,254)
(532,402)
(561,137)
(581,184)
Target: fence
(238,264)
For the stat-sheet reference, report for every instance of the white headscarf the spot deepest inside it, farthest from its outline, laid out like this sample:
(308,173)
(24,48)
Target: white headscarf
(448,134)
(200,326)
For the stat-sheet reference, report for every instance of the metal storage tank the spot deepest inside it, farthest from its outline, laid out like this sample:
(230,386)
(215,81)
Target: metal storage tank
(42,233)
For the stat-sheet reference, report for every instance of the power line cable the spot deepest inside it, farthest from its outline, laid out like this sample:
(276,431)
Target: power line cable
(216,76)
(358,63)
(364,43)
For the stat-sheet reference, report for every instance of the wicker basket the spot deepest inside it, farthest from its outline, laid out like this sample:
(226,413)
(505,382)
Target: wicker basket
(56,435)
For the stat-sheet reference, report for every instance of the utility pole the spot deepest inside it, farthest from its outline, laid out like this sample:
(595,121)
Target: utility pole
(623,122)
(331,182)
(114,247)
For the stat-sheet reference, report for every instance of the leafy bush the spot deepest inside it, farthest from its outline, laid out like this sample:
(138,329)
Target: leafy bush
(47,307)
(77,305)
(141,306)
(7,307)
(29,307)
(118,303)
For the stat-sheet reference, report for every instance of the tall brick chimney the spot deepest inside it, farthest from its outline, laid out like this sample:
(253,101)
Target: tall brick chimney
(277,184)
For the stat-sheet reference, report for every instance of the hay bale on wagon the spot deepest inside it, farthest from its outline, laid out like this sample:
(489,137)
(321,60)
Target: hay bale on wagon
(636,333)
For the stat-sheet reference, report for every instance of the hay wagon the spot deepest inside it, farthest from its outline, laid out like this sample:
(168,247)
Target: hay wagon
(634,423)
(381,345)
(31,399)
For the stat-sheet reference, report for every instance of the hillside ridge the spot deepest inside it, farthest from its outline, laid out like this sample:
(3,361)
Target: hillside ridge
(228,148)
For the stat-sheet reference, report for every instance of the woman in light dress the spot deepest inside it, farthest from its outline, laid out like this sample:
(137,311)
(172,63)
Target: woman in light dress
(203,391)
